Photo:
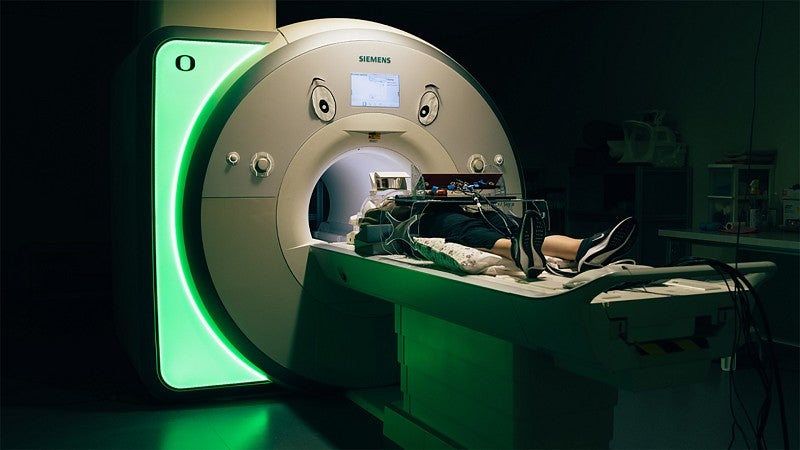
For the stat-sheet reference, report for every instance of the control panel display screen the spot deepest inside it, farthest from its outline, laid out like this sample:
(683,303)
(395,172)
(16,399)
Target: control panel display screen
(375,89)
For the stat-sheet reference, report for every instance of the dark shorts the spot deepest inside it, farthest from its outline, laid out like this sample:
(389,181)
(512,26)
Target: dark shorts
(471,229)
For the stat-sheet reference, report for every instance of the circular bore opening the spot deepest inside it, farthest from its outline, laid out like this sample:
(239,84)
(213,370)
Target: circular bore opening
(345,188)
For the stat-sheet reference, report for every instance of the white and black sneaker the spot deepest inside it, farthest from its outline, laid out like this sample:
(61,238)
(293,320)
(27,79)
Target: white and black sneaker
(604,248)
(526,247)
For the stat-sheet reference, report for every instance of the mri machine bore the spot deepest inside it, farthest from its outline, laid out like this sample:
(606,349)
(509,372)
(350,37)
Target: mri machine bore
(222,286)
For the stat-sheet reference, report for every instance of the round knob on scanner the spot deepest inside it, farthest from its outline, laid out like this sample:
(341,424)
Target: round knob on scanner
(261,164)
(476,163)
(232,158)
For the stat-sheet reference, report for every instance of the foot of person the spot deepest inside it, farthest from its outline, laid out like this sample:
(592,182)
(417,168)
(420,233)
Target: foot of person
(526,247)
(606,247)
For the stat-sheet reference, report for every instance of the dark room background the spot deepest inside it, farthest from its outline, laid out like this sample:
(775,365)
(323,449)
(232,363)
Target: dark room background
(551,67)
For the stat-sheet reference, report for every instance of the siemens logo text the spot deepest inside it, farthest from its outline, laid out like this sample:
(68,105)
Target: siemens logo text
(375,59)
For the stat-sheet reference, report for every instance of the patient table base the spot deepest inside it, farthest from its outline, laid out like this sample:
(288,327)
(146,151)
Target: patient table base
(462,388)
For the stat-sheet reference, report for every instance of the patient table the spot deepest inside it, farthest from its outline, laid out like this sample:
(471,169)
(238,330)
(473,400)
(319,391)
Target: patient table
(506,363)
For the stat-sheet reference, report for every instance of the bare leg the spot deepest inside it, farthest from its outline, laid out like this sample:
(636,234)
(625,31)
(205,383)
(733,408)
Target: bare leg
(501,247)
(560,246)
(556,245)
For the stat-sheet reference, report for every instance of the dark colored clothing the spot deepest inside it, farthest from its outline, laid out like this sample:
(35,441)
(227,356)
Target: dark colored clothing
(454,224)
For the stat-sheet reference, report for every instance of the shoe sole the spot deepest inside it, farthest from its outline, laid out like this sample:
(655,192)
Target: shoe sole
(618,242)
(537,231)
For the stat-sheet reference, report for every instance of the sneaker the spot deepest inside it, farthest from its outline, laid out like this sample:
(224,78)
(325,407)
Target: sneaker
(526,247)
(603,248)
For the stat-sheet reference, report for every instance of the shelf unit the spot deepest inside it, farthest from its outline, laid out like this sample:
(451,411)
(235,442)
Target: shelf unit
(736,189)
(598,197)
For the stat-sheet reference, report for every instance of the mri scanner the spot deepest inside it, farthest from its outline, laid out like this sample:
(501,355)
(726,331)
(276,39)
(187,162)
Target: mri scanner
(235,138)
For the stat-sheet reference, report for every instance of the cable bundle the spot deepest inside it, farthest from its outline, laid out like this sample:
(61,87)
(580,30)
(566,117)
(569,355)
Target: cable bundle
(755,338)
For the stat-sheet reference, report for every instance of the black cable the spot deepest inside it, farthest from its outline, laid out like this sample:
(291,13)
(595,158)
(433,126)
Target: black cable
(468,188)
(752,126)
(502,215)
(743,288)
(747,326)
(733,392)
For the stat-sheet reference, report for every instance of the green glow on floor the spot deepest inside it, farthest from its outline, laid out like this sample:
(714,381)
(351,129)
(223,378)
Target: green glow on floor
(190,77)
(226,427)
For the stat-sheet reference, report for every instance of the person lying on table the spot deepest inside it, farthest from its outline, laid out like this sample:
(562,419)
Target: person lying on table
(524,241)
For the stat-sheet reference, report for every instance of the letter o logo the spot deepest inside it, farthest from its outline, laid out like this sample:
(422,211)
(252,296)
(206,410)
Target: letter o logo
(184,63)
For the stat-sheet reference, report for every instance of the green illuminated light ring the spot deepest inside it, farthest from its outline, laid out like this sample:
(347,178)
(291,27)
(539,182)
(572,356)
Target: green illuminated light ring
(179,251)
(193,352)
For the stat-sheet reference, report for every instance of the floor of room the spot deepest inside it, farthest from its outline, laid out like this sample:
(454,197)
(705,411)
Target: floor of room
(67,384)
(40,415)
